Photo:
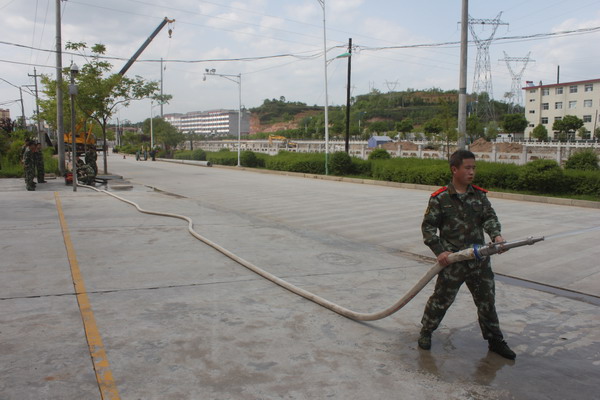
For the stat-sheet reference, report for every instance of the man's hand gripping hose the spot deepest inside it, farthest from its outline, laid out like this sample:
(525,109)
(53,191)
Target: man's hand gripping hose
(463,255)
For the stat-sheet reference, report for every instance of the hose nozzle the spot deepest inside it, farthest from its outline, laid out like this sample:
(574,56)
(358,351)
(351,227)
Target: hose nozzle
(494,248)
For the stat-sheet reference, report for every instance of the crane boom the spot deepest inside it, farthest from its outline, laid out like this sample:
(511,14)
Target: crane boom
(146,43)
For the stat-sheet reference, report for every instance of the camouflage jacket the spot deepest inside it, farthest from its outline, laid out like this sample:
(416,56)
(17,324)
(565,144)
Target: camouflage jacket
(460,218)
(28,159)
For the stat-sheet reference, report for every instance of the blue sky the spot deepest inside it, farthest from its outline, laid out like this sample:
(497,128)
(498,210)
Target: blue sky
(228,30)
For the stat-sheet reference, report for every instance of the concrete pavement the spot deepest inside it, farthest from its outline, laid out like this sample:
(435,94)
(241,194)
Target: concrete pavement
(179,320)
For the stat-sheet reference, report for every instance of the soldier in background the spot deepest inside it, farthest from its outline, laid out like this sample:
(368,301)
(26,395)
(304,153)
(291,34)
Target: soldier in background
(90,159)
(39,164)
(461,213)
(29,166)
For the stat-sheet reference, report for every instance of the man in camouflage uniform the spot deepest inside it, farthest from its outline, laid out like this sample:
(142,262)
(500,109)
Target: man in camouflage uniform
(29,166)
(90,159)
(461,213)
(85,173)
(39,164)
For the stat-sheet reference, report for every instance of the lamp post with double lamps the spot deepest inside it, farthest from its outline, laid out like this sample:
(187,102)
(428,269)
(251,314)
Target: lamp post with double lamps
(237,79)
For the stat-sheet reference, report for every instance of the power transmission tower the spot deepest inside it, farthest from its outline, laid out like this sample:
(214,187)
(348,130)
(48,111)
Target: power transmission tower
(516,95)
(391,88)
(482,80)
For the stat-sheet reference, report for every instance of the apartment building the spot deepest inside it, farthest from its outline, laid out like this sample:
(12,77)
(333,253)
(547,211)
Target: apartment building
(210,123)
(545,104)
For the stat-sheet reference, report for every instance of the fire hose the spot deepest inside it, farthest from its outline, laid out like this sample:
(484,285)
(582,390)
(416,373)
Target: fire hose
(475,252)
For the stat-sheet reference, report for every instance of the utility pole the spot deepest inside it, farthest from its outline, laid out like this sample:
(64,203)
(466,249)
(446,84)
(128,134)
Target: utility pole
(462,85)
(37,111)
(59,97)
(348,96)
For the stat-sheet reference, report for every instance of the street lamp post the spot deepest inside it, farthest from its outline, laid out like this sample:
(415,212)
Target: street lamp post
(237,79)
(72,93)
(322,2)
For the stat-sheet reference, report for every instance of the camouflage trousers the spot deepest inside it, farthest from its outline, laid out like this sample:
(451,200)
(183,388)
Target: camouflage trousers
(480,280)
(29,175)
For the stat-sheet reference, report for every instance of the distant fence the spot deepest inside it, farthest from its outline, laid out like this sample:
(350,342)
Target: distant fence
(503,152)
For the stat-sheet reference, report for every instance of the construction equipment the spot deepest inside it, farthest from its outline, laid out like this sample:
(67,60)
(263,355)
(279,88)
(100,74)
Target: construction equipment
(285,141)
(146,43)
(83,139)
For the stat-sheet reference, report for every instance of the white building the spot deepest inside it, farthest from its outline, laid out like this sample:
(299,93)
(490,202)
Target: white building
(214,122)
(545,104)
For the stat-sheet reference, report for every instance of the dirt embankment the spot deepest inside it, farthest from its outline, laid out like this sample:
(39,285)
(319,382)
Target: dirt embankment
(483,146)
(256,126)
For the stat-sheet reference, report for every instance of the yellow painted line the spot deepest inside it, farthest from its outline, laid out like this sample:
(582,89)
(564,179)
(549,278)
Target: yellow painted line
(104,377)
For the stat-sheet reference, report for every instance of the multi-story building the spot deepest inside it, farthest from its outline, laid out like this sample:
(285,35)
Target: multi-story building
(4,113)
(210,123)
(545,104)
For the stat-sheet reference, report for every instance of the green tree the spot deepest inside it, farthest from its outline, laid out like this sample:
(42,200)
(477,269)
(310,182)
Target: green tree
(597,133)
(475,128)
(433,127)
(380,127)
(164,133)
(540,133)
(99,93)
(514,123)
(491,130)
(583,133)
(405,126)
(567,126)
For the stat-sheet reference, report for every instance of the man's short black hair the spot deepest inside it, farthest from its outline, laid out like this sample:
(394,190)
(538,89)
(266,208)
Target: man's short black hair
(456,159)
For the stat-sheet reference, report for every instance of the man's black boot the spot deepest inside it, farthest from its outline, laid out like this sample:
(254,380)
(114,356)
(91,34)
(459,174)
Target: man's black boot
(425,340)
(500,347)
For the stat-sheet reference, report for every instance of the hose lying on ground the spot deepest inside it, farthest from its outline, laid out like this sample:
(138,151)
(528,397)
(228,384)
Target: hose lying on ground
(467,254)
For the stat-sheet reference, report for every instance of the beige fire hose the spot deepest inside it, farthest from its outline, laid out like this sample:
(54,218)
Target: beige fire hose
(467,254)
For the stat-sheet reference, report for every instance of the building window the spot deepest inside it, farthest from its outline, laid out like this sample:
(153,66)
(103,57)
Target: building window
(587,118)
(587,103)
(557,118)
(545,91)
(531,125)
(531,100)
(573,104)
(589,87)
(545,106)
(544,120)
(558,90)
(558,105)
(531,111)
(573,89)
(532,90)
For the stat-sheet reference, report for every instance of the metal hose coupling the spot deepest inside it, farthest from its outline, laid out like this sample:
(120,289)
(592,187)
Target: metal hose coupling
(481,252)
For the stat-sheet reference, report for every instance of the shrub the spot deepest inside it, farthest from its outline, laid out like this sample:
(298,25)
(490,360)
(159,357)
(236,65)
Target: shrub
(361,167)
(222,157)
(412,170)
(340,163)
(496,175)
(249,159)
(586,160)
(198,155)
(379,154)
(543,176)
(582,182)
(310,163)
